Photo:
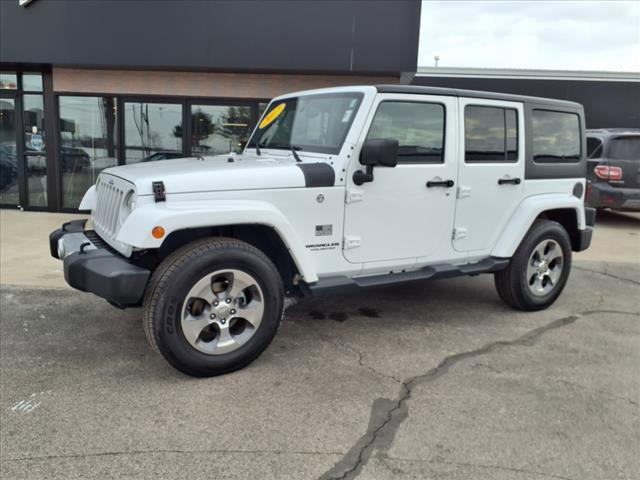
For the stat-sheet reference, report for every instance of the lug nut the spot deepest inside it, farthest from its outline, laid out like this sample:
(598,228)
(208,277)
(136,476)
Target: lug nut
(215,303)
(223,321)
(228,300)
(233,312)
(212,316)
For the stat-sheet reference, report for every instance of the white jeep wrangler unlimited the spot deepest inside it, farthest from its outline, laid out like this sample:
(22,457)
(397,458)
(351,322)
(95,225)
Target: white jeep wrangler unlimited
(337,188)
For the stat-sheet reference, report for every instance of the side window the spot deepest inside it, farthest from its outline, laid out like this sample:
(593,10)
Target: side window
(594,147)
(418,127)
(490,134)
(556,137)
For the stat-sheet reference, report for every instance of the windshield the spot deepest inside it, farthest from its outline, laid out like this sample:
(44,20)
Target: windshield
(316,123)
(625,148)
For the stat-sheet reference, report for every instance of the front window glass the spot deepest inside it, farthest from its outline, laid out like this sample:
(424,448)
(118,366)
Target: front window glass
(88,143)
(625,148)
(418,127)
(556,137)
(218,129)
(34,123)
(316,123)
(152,128)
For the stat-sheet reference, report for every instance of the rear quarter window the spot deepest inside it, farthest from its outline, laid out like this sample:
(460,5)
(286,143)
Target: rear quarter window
(556,137)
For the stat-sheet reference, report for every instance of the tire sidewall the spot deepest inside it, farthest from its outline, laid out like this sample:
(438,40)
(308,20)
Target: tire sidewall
(172,342)
(544,231)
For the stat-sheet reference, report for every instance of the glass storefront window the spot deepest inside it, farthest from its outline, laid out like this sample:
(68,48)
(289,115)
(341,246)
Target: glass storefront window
(8,81)
(36,180)
(217,129)
(33,123)
(88,143)
(9,194)
(32,82)
(152,131)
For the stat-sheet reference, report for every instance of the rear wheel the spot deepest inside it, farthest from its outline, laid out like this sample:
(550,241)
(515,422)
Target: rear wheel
(539,269)
(213,306)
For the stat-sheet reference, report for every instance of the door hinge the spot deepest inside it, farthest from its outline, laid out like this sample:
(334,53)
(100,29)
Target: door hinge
(350,241)
(464,192)
(354,195)
(459,232)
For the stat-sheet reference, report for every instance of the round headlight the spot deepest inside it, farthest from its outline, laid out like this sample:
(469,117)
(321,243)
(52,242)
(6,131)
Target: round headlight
(128,205)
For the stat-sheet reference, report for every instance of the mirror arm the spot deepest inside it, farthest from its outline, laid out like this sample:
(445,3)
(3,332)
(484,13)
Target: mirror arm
(360,177)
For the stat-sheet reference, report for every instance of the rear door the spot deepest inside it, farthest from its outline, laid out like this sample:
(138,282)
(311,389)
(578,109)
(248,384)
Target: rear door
(491,176)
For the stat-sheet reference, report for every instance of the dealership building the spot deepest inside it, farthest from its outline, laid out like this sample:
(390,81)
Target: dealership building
(88,85)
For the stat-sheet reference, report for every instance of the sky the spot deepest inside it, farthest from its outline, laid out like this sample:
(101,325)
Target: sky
(543,34)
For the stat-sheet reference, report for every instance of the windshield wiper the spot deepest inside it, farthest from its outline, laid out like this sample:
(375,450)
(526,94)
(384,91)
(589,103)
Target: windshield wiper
(295,154)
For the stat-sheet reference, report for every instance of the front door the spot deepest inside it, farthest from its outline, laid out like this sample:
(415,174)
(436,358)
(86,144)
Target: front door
(491,178)
(406,211)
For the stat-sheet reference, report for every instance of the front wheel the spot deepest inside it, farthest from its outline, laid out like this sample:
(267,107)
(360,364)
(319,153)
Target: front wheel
(538,271)
(213,306)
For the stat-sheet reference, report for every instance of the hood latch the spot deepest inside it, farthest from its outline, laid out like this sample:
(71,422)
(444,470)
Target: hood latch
(158,191)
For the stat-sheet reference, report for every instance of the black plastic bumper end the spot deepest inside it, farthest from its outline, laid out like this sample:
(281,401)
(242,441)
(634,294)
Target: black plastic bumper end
(106,275)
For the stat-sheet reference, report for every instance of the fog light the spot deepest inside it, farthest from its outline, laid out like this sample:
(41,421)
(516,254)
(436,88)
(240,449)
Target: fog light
(157,232)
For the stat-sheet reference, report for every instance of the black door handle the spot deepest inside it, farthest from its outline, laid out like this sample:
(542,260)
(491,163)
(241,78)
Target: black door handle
(512,181)
(443,183)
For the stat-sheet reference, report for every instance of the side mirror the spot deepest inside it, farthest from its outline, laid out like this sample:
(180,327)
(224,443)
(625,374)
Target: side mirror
(382,152)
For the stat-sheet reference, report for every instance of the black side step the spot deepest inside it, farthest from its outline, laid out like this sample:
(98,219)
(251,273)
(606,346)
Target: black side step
(341,284)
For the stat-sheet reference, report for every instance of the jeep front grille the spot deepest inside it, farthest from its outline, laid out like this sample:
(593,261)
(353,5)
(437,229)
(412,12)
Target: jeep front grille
(110,195)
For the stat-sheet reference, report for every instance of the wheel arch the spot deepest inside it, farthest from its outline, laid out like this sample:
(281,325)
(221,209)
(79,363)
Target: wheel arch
(258,223)
(564,209)
(264,237)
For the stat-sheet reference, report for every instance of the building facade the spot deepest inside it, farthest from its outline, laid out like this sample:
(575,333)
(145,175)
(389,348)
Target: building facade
(610,99)
(102,83)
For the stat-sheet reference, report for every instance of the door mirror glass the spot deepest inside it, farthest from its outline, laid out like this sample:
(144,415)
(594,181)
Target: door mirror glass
(380,152)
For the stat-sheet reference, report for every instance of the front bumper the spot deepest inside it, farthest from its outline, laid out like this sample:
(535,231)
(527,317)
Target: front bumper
(92,267)
(603,195)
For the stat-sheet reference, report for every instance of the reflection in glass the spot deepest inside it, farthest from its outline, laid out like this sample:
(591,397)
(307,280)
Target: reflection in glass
(8,156)
(152,128)
(33,123)
(36,180)
(556,137)
(87,143)
(32,82)
(8,81)
(219,129)
(418,127)
(490,134)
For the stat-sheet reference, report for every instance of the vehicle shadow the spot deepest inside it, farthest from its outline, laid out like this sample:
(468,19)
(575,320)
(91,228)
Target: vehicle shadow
(615,219)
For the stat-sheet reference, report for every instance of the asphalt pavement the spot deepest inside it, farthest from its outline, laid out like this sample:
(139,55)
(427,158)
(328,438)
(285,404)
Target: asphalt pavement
(435,380)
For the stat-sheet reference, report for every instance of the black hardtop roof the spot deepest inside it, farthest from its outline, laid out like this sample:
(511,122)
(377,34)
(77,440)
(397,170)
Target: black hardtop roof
(612,132)
(456,92)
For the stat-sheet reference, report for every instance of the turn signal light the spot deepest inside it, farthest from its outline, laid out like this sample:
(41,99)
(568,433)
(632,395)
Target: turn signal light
(157,232)
(606,172)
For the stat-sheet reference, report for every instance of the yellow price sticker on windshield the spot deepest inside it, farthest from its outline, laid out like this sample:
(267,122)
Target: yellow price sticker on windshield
(272,115)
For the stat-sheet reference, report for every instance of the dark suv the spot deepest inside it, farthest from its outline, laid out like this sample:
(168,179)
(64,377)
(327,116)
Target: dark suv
(613,169)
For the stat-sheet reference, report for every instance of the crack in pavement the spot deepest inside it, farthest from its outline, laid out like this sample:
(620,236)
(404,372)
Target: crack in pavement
(358,354)
(387,415)
(606,274)
(147,452)
(473,465)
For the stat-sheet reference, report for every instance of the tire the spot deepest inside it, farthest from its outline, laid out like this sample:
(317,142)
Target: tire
(524,285)
(190,288)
